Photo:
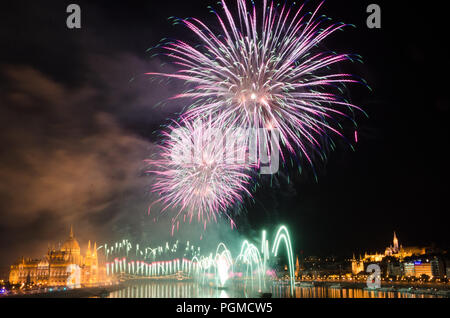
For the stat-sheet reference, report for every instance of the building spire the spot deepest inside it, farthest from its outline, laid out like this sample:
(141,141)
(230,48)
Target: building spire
(89,248)
(395,242)
(71,232)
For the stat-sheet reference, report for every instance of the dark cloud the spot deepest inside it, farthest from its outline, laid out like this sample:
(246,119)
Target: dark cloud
(63,160)
(74,155)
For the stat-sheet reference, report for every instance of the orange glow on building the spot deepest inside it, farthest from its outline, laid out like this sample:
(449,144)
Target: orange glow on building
(53,269)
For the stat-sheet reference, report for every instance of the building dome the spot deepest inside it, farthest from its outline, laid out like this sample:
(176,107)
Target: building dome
(71,245)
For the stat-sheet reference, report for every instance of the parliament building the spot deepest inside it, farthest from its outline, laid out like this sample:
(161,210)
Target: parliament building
(60,267)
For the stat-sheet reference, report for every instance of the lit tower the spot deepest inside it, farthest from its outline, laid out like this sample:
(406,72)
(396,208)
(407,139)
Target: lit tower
(395,243)
(88,258)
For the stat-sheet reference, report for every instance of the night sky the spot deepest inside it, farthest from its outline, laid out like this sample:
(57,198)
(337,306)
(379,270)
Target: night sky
(78,117)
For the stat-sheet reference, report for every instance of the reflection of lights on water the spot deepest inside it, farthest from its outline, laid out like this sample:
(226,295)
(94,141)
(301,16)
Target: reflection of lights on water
(196,290)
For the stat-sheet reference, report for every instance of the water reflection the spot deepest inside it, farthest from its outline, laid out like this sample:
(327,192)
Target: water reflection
(327,292)
(168,290)
(185,289)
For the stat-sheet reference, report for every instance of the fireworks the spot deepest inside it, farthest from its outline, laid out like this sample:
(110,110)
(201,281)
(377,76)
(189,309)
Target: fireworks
(251,265)
(264,70)
(201,171)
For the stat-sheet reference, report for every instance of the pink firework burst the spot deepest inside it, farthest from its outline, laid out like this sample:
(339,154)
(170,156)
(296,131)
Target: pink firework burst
(263,69)
(201,171)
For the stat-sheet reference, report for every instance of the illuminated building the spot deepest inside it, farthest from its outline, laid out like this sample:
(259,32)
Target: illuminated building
(394,250)
(438,267)
(357,265)
(408,269)
(297,268)
(393,268)
(58,265)
(433,268)
(423,268)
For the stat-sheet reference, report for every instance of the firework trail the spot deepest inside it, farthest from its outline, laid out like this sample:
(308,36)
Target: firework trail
(263,70)
(201,171)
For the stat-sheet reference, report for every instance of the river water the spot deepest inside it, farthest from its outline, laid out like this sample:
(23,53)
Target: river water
(190,289)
